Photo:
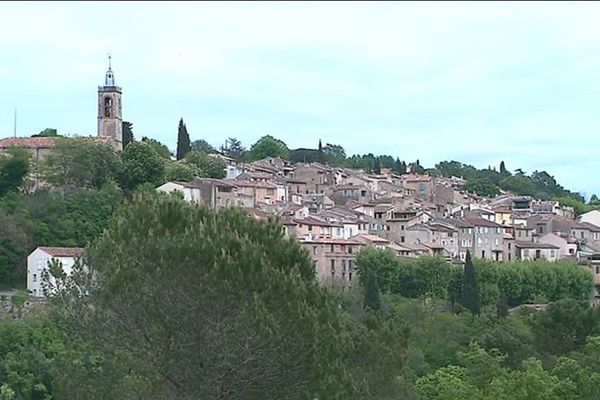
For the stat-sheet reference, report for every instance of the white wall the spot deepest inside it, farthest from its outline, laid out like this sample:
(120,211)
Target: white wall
(36,263)
(592,217)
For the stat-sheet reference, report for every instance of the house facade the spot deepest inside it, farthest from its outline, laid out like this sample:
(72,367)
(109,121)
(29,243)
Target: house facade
(39,260)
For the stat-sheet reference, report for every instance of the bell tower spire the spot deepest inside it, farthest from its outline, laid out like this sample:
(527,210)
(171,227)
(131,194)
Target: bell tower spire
(110,119)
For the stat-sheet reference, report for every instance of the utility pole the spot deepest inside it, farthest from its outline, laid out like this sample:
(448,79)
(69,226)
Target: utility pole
(15,124)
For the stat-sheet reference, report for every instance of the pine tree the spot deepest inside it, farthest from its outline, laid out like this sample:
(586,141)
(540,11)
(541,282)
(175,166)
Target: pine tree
(320,147)
(502,305)
(470,289)
(183,140)
(372,297)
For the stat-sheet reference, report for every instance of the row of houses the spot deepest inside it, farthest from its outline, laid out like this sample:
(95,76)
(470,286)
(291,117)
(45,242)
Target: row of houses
(334,212)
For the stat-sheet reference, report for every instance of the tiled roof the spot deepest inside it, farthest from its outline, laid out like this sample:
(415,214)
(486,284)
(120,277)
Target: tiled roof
(29,142)
(63,251)
(532,245)
(478,221)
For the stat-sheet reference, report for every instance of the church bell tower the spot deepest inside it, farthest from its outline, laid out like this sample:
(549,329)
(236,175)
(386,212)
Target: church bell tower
(110,117)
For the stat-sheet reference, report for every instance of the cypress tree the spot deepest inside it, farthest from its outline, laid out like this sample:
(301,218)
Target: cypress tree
(127,133)
(377,166)
(372,297)
(183,140)
(470,288)
(502,168)
(502,305)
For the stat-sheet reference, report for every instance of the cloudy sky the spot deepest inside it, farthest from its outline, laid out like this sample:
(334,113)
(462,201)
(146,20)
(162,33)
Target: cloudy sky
(473,82)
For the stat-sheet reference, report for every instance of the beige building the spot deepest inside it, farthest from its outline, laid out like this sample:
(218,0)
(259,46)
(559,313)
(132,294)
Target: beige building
(334,260)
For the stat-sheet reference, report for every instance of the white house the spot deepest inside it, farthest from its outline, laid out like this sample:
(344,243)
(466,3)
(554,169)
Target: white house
(39,260)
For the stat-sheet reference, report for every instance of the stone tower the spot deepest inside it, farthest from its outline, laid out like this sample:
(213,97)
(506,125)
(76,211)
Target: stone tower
(110,117)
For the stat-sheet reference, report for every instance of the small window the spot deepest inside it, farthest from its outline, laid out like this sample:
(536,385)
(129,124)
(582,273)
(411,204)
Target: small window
(332,250)
(34,278)
(332,266)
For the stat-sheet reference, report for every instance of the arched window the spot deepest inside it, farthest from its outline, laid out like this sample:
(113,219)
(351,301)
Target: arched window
(108,107)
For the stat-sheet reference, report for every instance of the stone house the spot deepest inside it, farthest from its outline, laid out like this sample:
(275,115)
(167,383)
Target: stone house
(342,194)
(566,248)
(592,217)
(536,251)
(488,239)
(312,227)
(334,260)
(38,261)
(317,177)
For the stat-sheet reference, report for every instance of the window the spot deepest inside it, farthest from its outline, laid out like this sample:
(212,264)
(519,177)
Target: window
(497,242)
(552,253)
(401,227)
(310,227)
(487,240)
(332,266)
(350,249)
(485,229)
(332,250)
(470,231)
(498,230)
(343,265)
(108,107)
(401,239)
(315,250)
(350,276)
(34,278)
(479,241)
(482,253)
(525,253)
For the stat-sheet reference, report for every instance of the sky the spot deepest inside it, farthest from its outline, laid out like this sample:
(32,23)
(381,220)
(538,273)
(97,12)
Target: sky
(476,82)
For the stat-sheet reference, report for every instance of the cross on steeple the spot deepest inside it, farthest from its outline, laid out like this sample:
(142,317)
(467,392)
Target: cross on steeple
(110,77)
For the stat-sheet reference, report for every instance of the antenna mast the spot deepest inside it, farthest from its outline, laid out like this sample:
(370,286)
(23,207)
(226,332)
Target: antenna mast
(15,124)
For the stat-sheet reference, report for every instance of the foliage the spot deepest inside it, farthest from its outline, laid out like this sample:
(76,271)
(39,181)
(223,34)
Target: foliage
(334,154)
(127,133)
(469,291)
(305,156)
(207,165)
(183,140)
(80,162)
(481,187)
(141,164)
(48,132)
(233,148)
(203,146)
(14,167)
(268,146)
(181,171)
(234,295)
(162,149)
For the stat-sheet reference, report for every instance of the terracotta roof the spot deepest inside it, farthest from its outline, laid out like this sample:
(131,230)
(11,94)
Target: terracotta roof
(370,238)
(63,251)
(532,245)
(478,221)
(29,142)
(331,241)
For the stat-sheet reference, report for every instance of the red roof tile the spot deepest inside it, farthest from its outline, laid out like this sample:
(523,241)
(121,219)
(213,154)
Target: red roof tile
(29,142)
(63,251)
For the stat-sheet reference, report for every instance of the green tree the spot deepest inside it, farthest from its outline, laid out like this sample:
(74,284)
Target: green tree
(470,288)
(372,295)
(334,154)
(80,162)
(381,265)
(481,187)
(208,165)
(268,146)
(141,164)
(14,167)
(127,133)
(519,185)
(502,306)
(448,383)
(565,325)
(503,170)
(202,146)
(233,148)
(48,132)
(227,293)
(181,171)
(161,148)
(183,140)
